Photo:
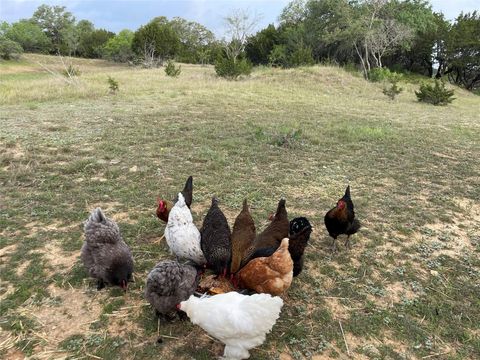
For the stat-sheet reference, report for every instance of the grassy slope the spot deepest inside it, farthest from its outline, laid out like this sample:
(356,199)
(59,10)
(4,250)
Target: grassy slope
(408,288)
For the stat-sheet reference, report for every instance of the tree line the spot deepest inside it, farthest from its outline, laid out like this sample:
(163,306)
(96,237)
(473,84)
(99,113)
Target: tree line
(401,35)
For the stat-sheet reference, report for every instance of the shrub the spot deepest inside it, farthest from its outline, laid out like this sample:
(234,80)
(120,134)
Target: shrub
(436,94)
(231,69)
(10,49)
(112,85)
(383,74)
(301,56)
(393,90)
(172,70)
(278,56)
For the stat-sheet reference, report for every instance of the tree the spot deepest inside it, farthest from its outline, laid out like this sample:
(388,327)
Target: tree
(155,42)
(119,48)
(239,24)
(463,50)
(294,13)
(29,36)
(53,20)
(84,29)
(386,35)
(95,42)
(260,45)
(194,39)
(9,49)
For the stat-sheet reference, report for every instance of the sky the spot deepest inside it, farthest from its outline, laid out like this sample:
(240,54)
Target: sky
(115,15)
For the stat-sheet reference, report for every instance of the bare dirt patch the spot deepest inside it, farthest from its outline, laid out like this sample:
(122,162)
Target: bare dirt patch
(7,250)
(73,315)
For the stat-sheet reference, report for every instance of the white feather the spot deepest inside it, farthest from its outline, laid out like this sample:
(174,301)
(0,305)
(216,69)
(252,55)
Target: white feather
(241,322)
(181,234)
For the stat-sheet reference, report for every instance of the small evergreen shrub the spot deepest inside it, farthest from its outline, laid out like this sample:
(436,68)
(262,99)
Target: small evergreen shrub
(232,69)
(172,70)
(112,85)
(393,90)
(278,56)
(436,94)
(301,57)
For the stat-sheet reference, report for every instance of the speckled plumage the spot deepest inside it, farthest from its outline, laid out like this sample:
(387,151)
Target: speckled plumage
(169,283)
(104,253)
(216,239)
(182,235)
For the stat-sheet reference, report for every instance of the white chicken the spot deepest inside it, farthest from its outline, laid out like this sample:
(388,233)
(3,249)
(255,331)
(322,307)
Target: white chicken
(183,237)
(241,322)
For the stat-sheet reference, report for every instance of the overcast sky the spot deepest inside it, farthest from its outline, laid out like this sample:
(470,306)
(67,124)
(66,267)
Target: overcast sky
(115,15)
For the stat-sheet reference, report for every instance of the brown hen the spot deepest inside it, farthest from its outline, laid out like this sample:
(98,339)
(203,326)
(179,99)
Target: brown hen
(272,275)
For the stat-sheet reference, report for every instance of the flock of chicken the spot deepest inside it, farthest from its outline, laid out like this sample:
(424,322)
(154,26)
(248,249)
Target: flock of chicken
(238,303)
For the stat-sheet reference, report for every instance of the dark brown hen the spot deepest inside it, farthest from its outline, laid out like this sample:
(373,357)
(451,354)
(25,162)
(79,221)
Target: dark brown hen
(300,230)
(243,234)
(341,219)
(216,241)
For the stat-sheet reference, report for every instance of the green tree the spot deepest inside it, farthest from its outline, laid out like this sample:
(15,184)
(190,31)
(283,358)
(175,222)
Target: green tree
(9,49)
(54,21)
(194,38)
(94,43)
(463,50)
(260,45)
(155,42)
(119,48)
(29,36)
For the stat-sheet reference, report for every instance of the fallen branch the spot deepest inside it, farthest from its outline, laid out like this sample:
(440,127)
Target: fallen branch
(344,339)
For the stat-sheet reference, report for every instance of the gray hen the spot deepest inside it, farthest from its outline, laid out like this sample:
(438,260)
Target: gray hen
(105,255)
(170,283)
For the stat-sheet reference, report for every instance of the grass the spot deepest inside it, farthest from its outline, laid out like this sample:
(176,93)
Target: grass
(408,288)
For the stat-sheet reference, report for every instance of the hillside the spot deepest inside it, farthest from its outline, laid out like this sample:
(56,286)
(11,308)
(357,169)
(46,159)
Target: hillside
(408,288)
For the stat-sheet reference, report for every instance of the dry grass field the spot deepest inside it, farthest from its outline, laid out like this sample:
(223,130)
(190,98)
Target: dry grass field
(408,289)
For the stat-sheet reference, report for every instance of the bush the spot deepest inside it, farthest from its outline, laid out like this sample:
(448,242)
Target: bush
(172,70)
(393,90)
(278,56)
(436,94)
(301,56)
(383,74)
(10,49)
(112,85)
(232,69)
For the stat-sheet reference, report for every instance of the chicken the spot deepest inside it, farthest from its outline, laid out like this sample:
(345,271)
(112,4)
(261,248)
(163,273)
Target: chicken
(243,234)
(273,233)
(216,240)
(168,284)
(300,230)
(165,206)
(276,230)
(105,255)
(182,235)
(271,274)
(341,219)
(241,322)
